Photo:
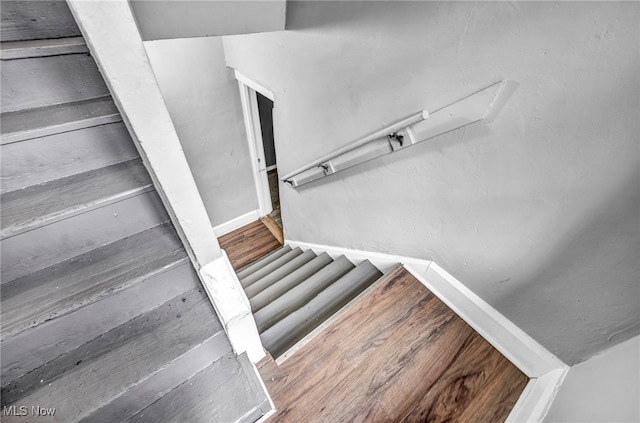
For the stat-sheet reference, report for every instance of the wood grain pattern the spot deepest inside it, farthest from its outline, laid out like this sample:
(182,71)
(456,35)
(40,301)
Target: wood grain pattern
(248,243)
(399,355)
(274,228)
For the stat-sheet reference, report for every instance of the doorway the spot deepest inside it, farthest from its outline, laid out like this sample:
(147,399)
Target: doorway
(257,108)
(265,110)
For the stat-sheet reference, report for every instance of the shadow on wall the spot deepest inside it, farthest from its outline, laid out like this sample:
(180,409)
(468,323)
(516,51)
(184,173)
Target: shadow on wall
(595,270)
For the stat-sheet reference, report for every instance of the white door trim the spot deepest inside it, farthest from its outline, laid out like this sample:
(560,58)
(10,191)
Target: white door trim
(251,115)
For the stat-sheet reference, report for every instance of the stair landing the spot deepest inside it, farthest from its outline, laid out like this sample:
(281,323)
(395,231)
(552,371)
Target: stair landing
(398,355)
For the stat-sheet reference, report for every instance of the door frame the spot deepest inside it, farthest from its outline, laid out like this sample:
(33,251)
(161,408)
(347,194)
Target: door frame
(248,89)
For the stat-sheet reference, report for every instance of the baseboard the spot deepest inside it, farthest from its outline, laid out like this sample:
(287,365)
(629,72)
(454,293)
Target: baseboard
(545,370)
(238,222)
(535,400)
(382,261)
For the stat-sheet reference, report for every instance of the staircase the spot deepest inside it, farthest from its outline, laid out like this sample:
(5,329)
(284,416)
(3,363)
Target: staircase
(292,293)
(103,316)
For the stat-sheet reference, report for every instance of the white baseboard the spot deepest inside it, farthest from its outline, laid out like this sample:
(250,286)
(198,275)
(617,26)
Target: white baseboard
(545,370)
(535,400)
(238,222)
(382,261)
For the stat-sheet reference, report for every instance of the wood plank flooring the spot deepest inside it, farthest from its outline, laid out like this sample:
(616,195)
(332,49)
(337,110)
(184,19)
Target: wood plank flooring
(400,355)
(248,243)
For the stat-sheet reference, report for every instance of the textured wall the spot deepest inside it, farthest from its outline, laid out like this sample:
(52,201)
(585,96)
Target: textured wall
(202,96)
(537,212)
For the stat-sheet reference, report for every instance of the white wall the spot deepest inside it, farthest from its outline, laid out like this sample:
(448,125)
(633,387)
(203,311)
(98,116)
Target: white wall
(606,388)
(202,97)
(537,213)
(160,19)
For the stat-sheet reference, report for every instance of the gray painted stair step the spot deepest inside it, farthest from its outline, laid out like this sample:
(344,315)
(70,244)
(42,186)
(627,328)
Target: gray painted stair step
(32,20)
(279,273)
(298,296)
(284,334)
(31,348)
(265,270)
(274,255)
(43,121)
(220,393)
(67,286)
(143,394)
(41,48)
(35,250)
(90,377)
(45,81)
(29,208)
(45,159)
(281,286)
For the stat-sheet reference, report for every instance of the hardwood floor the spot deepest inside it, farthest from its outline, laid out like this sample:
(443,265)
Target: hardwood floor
(248,243)
(399,355)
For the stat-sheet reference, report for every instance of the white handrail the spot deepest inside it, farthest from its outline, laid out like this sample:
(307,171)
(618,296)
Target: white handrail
(386,131)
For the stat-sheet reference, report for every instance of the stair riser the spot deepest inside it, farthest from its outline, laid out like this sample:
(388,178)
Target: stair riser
(33,20)
(40,82)
(42,122)
(155,387)
(44,343)
(44,159)
(38,249)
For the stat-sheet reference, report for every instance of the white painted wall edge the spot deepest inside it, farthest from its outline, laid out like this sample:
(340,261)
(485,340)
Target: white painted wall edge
(145,114)
(545,370)
(253,85)
(236,223)
(232,306)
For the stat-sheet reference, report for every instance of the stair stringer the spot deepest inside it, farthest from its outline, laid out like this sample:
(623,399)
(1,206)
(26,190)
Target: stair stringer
(545,370)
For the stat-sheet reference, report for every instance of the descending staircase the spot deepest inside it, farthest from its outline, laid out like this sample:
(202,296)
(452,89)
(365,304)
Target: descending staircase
(292,293)
(103,316)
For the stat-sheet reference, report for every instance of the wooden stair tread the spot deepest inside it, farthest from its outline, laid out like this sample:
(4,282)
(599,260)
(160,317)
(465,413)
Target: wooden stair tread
(101,370)
(67,286)
(223,383)
(46,81)
(39,160)
(29,20)
(31,348)
(41,48)
(43,121)
(39,205)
